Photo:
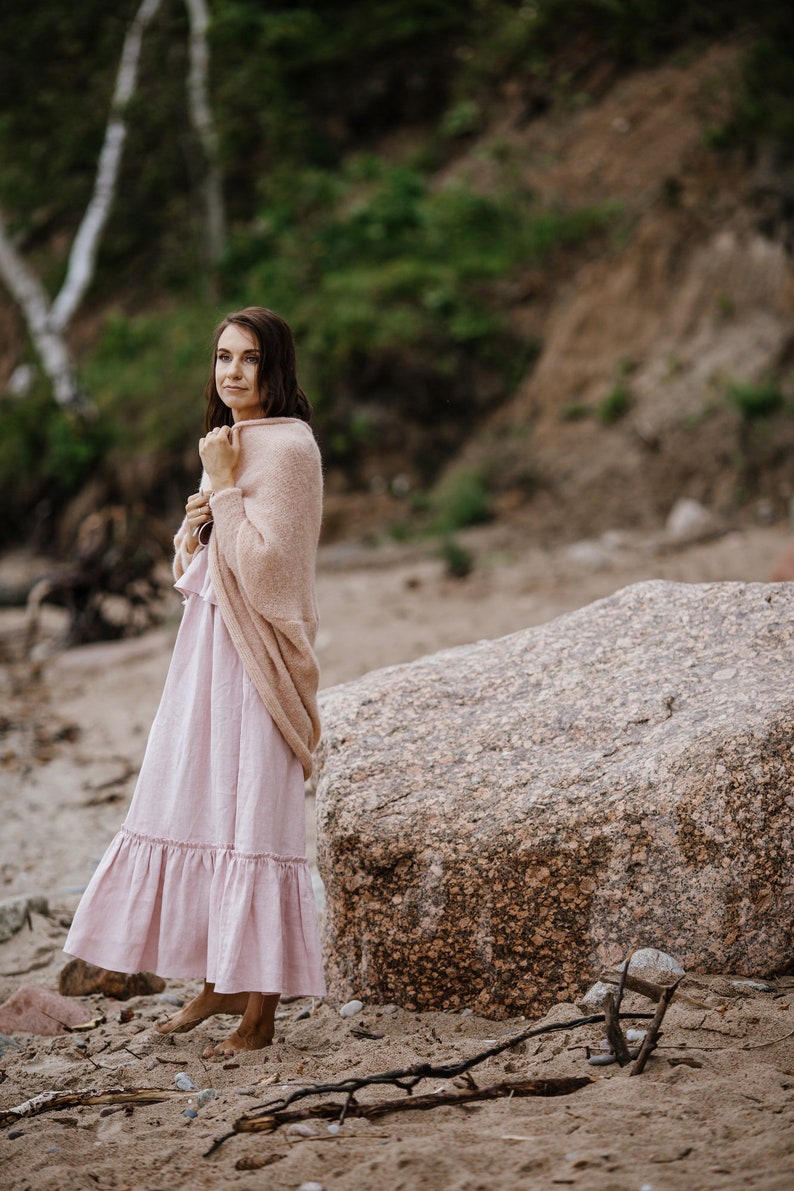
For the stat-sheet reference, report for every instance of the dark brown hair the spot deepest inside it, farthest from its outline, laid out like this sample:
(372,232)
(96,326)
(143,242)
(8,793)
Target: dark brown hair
(282,397)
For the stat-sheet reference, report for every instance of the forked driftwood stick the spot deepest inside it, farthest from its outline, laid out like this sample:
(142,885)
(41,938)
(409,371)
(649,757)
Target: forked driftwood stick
(615,1035)
(645,988)
(52,1101)
(329,1109)
(654,1030)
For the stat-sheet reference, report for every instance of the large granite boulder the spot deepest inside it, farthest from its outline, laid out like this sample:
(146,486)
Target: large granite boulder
(499,821)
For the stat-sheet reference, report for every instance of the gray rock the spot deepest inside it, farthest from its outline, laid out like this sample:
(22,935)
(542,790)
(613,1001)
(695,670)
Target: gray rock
(538,804)
(184,1082)
(14,913)
(594,997)
(689,520)
(655,965)
(351,1008)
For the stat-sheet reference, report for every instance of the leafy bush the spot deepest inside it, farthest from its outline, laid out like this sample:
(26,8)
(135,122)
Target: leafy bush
(147,375)
(756,400)
(615,405)
(461,499)
(392,285)
(46,454)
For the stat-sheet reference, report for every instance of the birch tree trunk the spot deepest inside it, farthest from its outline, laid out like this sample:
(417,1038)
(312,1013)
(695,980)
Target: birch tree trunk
(201,116)
(47,321)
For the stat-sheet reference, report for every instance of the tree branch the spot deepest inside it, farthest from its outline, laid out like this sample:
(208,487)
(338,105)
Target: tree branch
(29,295)
(82,258)
(561,1086)
(201,116)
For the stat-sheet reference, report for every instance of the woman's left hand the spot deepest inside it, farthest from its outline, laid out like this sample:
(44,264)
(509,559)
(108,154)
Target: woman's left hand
(219,451)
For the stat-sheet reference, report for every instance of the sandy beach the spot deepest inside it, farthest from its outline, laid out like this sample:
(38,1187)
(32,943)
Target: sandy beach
(713,1108)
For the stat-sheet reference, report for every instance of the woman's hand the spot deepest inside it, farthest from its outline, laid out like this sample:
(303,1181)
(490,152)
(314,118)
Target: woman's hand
(219,451)
(197,513)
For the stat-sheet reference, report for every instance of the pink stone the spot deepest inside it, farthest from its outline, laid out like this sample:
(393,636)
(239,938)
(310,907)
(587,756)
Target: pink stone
(500,822)
(33,1010)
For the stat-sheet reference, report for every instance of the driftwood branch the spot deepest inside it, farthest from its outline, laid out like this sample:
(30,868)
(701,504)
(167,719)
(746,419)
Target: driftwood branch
(654,1030)
(53,1101)
(646,988)
(562,1086)
(614,1033)
(407,1078)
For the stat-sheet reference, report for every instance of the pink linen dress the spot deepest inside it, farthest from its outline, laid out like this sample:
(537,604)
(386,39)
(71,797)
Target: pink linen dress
(207,876)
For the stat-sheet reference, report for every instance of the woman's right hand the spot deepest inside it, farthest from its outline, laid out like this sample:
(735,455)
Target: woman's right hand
(198,513)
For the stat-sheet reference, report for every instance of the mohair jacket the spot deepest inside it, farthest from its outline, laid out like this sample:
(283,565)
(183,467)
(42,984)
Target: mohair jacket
(262,558)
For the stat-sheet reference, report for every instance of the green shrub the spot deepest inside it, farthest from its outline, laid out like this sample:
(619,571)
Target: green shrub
(615,405)
(458,561)
(755,400)
(461,499)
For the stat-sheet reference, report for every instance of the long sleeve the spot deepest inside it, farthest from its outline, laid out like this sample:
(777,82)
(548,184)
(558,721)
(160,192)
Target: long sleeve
(262,558)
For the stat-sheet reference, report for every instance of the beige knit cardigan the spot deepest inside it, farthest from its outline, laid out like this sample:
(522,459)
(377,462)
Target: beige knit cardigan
(262,558)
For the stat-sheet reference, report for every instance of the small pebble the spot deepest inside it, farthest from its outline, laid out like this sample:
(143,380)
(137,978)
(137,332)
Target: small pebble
(302,1129)
(311,1187)
(466,1012)
(304,1013)
(170,999)
(184,1082)
(189,1112)
(755,985)
(635,1035)
(13,1134)
(204,1097)
(351,1008)
(150,1066)
(390,1008)
(601,1060)
(334,1127)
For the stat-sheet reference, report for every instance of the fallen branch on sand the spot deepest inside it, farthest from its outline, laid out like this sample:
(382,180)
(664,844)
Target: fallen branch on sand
(562,1086)
(52,1101)
(405,1078)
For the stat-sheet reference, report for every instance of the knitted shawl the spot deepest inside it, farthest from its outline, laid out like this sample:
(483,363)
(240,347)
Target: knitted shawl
(261,560)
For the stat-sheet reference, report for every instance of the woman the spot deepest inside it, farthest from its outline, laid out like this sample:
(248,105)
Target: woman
(207,876)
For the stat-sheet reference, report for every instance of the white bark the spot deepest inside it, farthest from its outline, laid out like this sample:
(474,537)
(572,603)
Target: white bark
(82,258)
(201,116)
(49,343)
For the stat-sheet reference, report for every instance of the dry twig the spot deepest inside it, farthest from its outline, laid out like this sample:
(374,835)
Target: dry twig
(407,1078)
(654,1030)
(52,1101)
(329,1109)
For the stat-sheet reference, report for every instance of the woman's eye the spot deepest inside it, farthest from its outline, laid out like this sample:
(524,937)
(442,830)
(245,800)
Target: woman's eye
(252,359)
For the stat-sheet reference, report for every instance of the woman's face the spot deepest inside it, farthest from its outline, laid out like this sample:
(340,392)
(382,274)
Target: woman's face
(236,373)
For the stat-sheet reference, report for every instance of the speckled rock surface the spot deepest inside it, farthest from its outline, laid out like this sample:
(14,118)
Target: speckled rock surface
(499,821)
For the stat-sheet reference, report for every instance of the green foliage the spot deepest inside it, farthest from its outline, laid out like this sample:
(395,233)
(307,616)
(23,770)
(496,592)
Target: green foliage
(575,411)
(756,400)
(458,560)
(389,279)
(615,405)
(46,452)
(461,499)
(147,376)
